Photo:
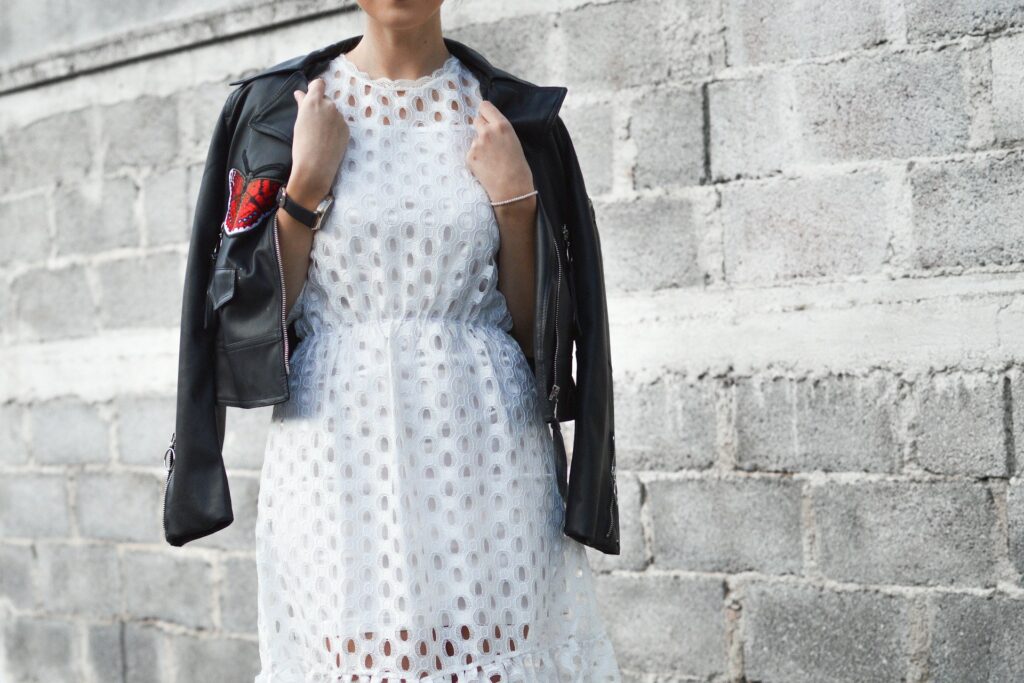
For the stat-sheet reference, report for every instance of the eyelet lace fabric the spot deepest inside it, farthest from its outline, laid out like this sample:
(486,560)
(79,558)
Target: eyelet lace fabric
(409,521)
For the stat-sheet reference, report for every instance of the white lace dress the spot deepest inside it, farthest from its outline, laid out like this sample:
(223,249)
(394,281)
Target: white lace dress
(409,521)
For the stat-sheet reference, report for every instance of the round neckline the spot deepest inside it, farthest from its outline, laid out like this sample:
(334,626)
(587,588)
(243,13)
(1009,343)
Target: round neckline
(448,65)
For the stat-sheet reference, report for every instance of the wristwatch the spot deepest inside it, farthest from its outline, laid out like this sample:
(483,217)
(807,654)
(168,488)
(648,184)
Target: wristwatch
(311,219)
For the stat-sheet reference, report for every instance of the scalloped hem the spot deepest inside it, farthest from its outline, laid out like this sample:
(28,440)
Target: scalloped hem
(566,663)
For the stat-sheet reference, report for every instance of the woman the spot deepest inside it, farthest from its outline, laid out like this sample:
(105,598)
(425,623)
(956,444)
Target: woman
(410,518)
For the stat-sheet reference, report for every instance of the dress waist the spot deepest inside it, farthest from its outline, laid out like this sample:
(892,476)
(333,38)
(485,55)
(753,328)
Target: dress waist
(319,324)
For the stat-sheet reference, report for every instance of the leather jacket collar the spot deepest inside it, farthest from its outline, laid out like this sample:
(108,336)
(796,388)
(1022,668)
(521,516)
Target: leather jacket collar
(530,108)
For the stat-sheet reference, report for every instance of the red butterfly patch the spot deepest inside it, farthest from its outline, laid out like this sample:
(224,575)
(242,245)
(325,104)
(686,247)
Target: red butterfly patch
(250,200)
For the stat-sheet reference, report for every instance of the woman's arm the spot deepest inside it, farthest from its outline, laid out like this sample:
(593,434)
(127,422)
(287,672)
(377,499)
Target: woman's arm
(319,143)
(497,160)
(296,241)
(517,265)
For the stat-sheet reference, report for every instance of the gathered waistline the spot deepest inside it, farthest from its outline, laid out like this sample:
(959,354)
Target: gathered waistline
(335,329)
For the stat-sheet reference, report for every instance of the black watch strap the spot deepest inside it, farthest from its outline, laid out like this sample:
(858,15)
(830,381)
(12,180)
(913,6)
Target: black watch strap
(294,209)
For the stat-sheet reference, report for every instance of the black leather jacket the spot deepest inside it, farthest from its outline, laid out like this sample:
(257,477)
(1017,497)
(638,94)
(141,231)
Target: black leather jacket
(236,341)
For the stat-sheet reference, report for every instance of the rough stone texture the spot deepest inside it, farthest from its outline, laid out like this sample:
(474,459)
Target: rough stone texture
(631,532)
(832,424)
(69,431)
(962,426)
(54,148)
(1008,87)
(601,43)
(104,658)
(199,106)
(141,292)
(668,127)
(666,624)
(515,45)
(145,654)
(674,423)
(165,206)
(33,506)
(146,595)
(965,212)
(16,571)
(104,496)
(1015,514)
(975,638)
(657,243)
(80,579)
(936,533)
(23,245)
(140,132)
(806,634)
(868,108)
(844,227)
(13,435)
(107,207)
(749,124)
(861,108)
(219,658)
(53,304)
(144,428)
(593,133)
(810,220)
(83,23)
(28,649)
(929,19)
(237,601)
(750,524)
(778,30)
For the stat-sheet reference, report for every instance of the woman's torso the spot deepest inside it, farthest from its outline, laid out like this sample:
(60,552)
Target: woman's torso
(411,236)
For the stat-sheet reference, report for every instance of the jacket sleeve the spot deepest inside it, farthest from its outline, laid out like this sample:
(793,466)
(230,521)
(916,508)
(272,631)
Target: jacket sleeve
(197,501)
(592,514)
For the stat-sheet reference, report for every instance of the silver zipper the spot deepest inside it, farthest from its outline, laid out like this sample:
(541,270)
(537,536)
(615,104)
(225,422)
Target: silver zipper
(216,247)
(169,455)
(284,297)
(553,396)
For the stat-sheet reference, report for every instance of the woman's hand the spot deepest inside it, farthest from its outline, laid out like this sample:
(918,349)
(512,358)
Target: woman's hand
(496,159)
(318,145)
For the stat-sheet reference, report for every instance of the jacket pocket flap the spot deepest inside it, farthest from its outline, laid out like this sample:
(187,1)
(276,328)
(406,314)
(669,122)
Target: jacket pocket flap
(222,287)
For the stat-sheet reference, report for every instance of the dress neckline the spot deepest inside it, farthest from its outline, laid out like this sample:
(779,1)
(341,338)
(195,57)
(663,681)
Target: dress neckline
(447,68)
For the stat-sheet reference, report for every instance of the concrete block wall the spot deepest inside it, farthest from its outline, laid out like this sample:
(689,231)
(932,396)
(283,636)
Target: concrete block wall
(812,227)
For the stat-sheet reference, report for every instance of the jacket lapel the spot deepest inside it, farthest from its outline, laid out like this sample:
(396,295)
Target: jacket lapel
(531,109)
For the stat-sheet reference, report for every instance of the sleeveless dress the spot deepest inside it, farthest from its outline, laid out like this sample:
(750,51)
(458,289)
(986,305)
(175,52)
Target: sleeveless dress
(409,521)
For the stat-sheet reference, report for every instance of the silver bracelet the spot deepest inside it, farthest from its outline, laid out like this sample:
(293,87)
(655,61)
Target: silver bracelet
(514,199)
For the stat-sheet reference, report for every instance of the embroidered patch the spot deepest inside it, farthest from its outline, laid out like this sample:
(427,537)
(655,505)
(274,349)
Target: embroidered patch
(250,200)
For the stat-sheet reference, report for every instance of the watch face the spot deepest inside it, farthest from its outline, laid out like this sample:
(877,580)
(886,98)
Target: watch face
(321,210)
(325,204)
(280,195)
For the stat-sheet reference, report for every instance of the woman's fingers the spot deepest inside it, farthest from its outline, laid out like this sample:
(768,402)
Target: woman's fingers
(487,115)
(492,115)
(316,89)
(482,113)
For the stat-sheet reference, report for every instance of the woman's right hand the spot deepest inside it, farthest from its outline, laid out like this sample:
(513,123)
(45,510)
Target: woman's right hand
(318,144)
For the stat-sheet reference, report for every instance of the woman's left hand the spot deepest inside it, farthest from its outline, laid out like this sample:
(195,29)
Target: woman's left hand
(496,156)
